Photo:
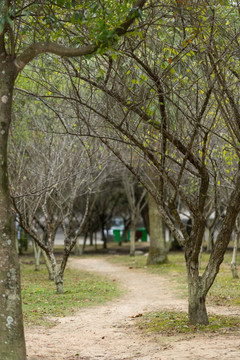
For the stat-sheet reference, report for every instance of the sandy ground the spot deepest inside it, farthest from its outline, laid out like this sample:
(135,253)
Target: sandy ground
(106,332)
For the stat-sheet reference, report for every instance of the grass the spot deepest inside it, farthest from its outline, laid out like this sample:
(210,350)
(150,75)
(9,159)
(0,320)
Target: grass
(175,323)
(225,290)
(175,264)
(41,303)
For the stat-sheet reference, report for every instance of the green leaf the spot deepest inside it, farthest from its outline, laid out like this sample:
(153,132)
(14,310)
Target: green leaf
(60,3)
(77,17)
(2,23)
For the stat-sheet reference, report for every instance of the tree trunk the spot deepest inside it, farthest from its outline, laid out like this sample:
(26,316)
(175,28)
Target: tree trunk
(200,257)
(82,249)
(95,239)
(158,249)
(37,255)
(124,236)
(197,311)
(16,243)
(91,238)
(132,235)
(104,237)
(208,239)
(234,257)
(77,248)
(58,277)
(145,216)
(197,286)
(49,266)
(12,343)
(59,283)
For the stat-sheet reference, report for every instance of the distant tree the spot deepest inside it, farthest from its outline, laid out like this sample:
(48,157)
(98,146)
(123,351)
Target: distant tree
(235,249)
(45,194)
(136,197)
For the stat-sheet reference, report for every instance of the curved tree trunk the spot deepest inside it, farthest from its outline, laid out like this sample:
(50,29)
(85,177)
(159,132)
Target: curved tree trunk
(48,266)
(157,250)
(199,285)
(58,278)
(12,343)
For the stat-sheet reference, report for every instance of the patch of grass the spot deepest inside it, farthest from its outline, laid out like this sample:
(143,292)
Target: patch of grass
(175,263)
(174,323)
(41,303)
(225,290)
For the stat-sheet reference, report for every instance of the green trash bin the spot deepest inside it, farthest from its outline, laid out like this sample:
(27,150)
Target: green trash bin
(141,233)
(144,234)
(117,235)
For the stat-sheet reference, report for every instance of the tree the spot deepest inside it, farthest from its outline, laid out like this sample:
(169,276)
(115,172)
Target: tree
(136,197)
(235,249)
(28,29)
(56,192)
(45,194)
(158,248)
(177,99)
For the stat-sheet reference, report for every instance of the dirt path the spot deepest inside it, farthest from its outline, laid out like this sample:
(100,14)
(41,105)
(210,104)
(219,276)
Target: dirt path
(106,332)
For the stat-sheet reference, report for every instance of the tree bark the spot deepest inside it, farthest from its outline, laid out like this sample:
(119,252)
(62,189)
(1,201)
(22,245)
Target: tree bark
(197,311)
(58,277)
(59,283)
(210,235)
(91,238)
(199,285)
(104,237)
(234,256)
(37,255)
(48,266)
(77,248)
(124,236)
(209,240)
(12,343)
(82,249)
(157,250)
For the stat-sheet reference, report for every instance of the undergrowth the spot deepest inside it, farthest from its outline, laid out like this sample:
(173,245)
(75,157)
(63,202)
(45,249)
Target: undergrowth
(172,323)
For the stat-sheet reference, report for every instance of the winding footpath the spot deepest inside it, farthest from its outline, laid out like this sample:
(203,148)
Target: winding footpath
(106,332)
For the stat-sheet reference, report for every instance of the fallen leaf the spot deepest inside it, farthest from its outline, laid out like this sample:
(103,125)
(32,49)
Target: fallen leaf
(136,316)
